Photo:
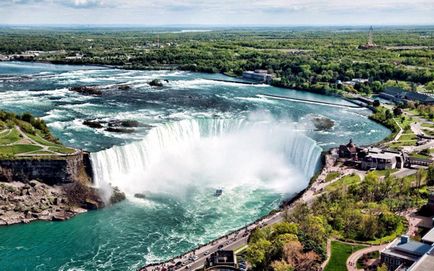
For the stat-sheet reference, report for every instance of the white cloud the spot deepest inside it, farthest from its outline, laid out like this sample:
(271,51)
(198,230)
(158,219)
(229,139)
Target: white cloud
(218,12)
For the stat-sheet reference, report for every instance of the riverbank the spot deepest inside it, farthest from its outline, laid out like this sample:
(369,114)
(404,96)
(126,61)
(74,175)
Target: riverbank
(36,201)
(196,258)
(24,203)
(191,98)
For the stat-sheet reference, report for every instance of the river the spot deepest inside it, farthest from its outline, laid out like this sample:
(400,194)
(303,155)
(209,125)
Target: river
(196,135)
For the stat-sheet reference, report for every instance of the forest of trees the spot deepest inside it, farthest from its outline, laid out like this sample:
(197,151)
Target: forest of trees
(351,210)
(309,59)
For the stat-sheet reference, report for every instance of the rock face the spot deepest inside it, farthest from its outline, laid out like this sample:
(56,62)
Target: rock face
(63,169)
(64,192)
(26,202)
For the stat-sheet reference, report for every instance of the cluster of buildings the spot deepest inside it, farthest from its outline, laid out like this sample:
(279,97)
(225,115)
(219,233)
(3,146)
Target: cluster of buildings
(400,96)
(258,75)
(353,82)
(371,157)
(411,255)
(367,158)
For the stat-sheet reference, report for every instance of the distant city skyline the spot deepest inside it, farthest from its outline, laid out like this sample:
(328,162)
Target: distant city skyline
(223,12)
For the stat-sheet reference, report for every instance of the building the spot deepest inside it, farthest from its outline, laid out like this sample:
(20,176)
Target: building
(403,253)
(258,75)
(222,260)
(428,238)
(419,97)
(355,81)
(394,94)
(381,159)
(348,151)
(399,95)
(425,263)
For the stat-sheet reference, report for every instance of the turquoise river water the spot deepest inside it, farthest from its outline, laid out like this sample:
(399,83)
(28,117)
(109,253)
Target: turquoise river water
(198,135)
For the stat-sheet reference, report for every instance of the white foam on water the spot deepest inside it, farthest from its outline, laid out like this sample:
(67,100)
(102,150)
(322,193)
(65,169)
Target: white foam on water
(209,153)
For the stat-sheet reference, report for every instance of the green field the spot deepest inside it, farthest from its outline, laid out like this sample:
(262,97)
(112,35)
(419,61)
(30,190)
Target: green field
(18,149)
(344,181)
(407,137)
(340,253)
(331,176)
(9,136)
(29,136)
(61,149)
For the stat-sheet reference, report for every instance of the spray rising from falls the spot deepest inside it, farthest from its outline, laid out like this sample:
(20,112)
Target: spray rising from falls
(210,153)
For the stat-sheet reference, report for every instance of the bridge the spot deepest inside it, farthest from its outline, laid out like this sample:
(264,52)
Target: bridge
(278,97)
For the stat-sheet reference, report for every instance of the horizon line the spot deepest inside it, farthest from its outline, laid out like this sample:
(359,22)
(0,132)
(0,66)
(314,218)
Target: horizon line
(209,25)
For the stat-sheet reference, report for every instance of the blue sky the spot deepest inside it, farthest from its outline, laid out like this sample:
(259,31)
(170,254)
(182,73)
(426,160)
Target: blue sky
(213,12)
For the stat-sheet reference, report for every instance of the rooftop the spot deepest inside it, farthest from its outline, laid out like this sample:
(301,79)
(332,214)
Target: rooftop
(419,97)
(385,155)
(222,257)
(426,263)
(405,248)
(429,237)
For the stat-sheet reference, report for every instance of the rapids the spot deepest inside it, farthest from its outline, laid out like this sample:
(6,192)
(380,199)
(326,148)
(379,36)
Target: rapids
(197,135)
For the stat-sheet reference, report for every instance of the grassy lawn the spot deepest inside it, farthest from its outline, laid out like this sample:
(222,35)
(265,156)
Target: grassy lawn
(407,137)
(41,141)
(404,123)
(340,254)
(17,149)
(428,132)
(9,137)
(61,149)
(428,125)
(331,176)
(381,173)
(344,181)
(399,144)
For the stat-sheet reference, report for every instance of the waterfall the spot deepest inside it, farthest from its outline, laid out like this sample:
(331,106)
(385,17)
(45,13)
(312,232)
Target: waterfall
(261,143)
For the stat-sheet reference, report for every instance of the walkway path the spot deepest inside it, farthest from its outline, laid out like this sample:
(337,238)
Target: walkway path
(44,151)
(329,253)
(413,223)
(352,260)
(399,134)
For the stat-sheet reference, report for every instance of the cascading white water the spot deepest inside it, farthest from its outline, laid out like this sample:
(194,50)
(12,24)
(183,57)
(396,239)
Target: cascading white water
(221,151)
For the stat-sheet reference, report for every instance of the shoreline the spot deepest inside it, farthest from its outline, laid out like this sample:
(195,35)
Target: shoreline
(284,205)
(274,216)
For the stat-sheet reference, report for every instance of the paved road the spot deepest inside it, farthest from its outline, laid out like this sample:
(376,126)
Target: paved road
(352,260)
